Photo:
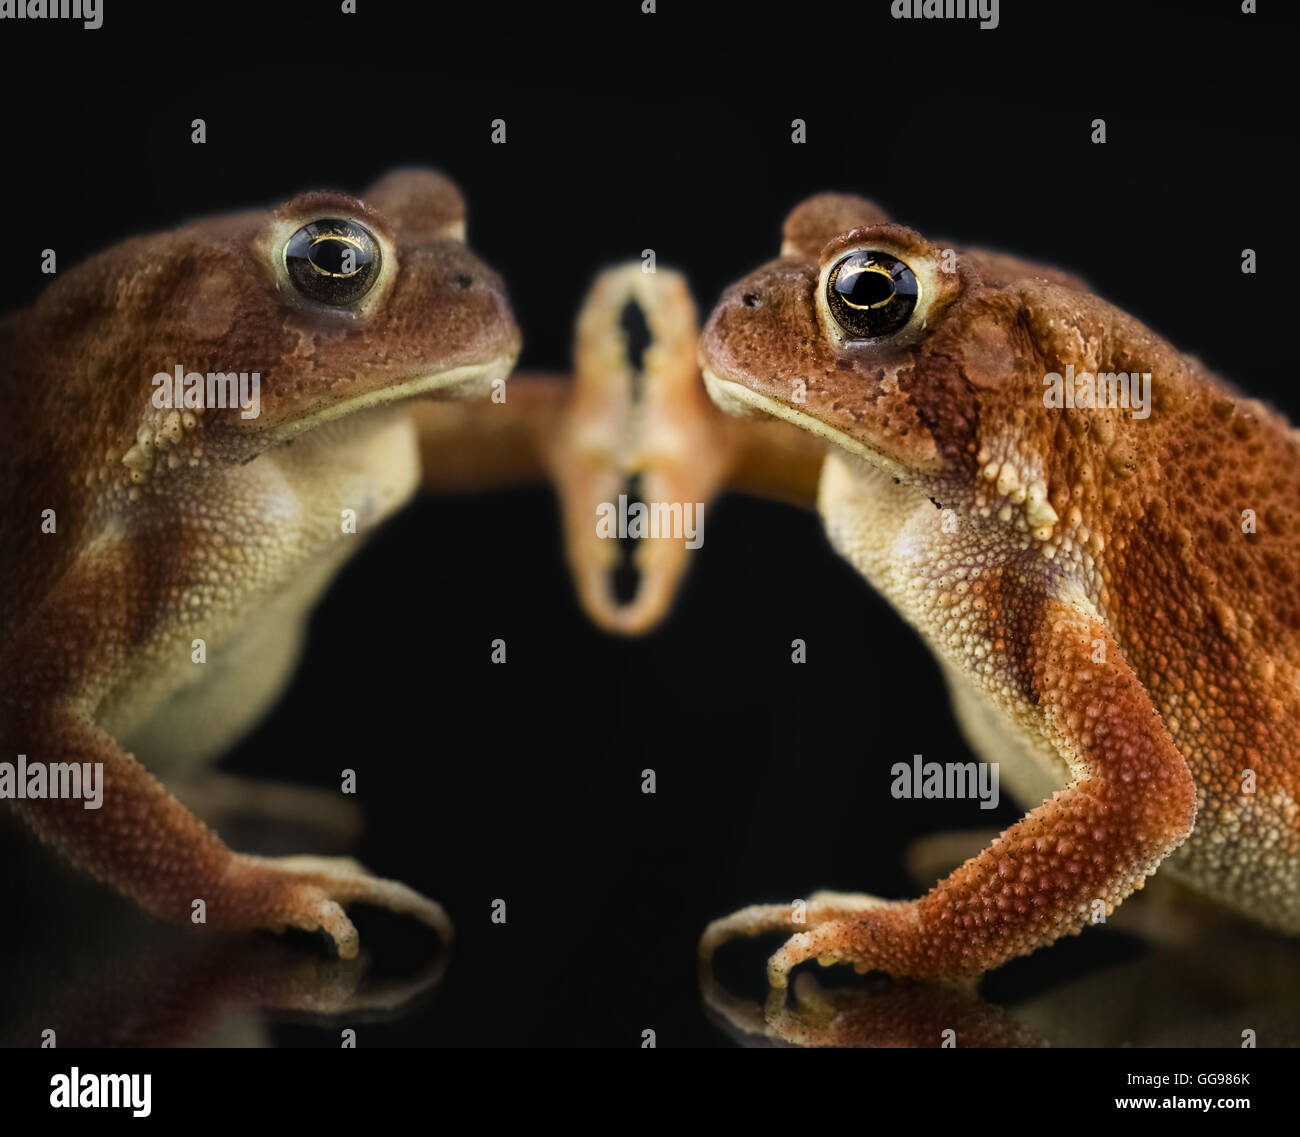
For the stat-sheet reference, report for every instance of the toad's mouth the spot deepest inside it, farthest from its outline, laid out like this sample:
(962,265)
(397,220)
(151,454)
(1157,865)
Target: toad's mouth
(466,382)
(737,399)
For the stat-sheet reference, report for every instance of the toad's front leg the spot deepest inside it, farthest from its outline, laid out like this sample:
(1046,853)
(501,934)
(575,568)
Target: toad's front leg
(1131,803)
(141,841)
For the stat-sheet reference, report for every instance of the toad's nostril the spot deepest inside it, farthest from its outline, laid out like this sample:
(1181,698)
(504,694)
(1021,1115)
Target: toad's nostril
(752,300)
(463,280)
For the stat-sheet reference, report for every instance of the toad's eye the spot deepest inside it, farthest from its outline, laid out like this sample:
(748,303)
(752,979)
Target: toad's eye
(332,261)
(871,294)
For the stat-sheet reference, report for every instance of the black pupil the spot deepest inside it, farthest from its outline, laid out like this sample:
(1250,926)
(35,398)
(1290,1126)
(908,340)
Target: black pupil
(871,294)
(333,261)
(338,257)
(864,289)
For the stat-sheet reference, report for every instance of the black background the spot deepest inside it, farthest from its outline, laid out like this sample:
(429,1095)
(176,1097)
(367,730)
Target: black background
(671,132)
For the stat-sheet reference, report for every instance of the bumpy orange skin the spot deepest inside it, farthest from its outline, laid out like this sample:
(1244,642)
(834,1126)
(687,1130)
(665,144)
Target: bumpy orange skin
(1112,596)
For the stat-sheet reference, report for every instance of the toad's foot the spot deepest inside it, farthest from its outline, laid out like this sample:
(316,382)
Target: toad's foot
(310,893)
(822,925)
